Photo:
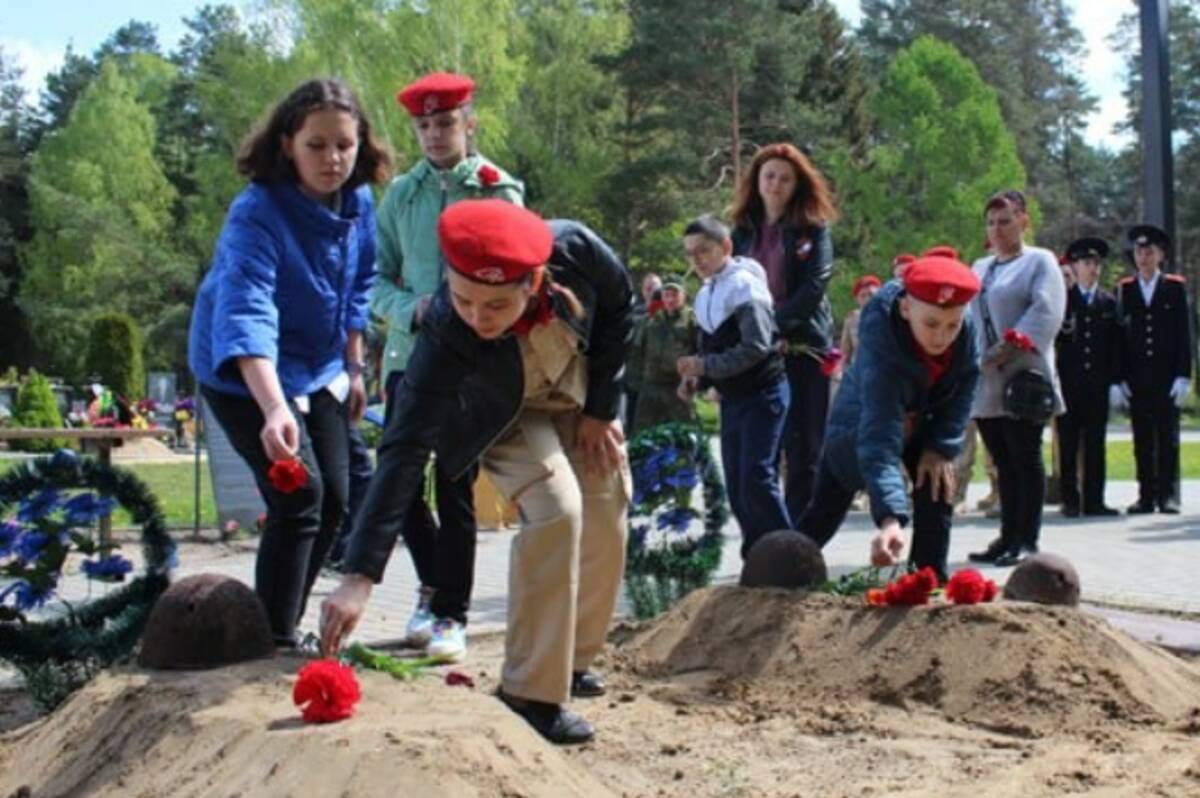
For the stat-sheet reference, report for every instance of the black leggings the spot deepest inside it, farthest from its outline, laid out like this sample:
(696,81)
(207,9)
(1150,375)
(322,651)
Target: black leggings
(443,550)
(300,526)
(1016,448)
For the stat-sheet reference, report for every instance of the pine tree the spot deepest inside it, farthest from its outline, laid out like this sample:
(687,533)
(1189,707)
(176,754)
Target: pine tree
(942,149)
(36,408)
(16,345)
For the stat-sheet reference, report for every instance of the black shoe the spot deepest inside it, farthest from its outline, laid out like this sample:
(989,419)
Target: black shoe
(559,726)
(1140,508)
(586,684)
(1169,507)
(1070,510)
(994,549)
(1101,510)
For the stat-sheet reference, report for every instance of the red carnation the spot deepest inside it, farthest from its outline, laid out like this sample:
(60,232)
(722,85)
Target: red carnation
(926,579)
(831,360)
(488,175)
(326,691)
(455,678)
(969,587)
(287,476)
(1018,339)
(909,590)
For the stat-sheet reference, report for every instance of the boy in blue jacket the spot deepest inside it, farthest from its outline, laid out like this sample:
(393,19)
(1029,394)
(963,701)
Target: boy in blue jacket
(903,404)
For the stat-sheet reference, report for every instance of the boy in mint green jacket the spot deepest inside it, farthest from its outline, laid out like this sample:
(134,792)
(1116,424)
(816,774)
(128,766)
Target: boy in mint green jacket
(411,267)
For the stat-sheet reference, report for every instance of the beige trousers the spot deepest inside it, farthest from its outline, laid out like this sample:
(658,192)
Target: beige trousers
(567,561)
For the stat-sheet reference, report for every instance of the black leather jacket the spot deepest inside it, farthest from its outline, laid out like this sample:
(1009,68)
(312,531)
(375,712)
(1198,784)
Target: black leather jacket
(804,316)
(461,393)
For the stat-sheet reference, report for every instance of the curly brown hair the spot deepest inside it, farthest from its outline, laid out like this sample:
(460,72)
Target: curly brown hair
(812,204)
(262,159)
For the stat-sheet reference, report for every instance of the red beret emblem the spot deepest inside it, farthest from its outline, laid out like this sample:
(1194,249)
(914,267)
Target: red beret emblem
(431,103)
(945,294)
(489,274)
(803,247)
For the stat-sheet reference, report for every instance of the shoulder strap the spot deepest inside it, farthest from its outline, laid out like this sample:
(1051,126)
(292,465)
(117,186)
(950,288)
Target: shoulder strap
(989,330)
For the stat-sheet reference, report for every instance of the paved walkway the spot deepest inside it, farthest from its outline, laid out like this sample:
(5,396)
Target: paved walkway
(1146,562)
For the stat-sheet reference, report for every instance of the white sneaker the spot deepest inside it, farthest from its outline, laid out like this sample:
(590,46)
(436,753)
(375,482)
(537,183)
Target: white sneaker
(420,625)
(449,641)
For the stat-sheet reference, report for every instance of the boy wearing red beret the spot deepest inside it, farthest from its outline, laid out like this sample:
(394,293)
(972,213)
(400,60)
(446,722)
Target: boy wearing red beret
(519,369)
(914,338)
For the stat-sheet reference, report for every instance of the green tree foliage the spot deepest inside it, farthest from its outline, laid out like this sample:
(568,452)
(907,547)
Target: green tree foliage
(101,211)
(1031,53)
(115,355)
(16,344)
(561,142)
(942,149)
(37,408)
(632,115)
(702,95)
(378,46)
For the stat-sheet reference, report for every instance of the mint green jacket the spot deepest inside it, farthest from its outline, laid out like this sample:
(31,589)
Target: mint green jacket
(410,263)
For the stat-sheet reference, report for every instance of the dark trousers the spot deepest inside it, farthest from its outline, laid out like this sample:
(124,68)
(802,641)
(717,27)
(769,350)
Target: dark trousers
(751,429)
(300,526)
(1016,448)
(1155,446)
(361,470)
(1084,424)
(443,549)
(804,431)
(931,519)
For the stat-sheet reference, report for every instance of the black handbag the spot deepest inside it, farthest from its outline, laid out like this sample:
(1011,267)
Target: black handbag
(1028,394)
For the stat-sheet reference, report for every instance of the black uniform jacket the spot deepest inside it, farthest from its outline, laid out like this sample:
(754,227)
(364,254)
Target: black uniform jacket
(1156,345)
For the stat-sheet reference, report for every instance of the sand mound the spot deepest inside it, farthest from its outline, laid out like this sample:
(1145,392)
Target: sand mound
(1015,668)
(234,731)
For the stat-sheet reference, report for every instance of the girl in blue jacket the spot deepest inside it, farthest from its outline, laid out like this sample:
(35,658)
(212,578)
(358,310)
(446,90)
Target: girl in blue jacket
(276,336)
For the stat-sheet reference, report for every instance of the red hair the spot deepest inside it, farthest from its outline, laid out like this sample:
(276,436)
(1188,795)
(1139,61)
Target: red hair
(812,203)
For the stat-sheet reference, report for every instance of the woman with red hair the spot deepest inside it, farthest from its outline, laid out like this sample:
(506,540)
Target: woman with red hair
(781,214)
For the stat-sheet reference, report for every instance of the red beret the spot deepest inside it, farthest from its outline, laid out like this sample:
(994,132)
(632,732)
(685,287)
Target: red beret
(940,281)
(439,91)
(941,251)
(903,260)
(493,241)
(866,281)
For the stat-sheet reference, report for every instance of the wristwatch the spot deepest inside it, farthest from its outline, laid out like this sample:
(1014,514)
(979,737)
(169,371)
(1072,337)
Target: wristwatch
(355,367)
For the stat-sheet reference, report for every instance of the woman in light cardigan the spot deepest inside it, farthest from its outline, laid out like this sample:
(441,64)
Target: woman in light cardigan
(1025,295)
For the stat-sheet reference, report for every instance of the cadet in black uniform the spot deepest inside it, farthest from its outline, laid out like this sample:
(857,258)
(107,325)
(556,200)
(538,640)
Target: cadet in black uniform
(1088,347)
(1156,366)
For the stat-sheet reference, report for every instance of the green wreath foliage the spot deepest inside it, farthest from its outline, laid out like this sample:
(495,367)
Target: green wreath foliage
(664,562)
(58,655)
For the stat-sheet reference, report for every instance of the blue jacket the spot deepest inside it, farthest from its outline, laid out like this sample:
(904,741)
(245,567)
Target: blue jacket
(864,442)
(289,280)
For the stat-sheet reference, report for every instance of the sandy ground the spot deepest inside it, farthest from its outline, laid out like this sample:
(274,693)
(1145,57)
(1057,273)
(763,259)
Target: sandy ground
(733,693)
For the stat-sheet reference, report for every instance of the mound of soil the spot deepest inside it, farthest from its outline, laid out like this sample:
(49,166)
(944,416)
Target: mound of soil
(1021,669)
(234,731)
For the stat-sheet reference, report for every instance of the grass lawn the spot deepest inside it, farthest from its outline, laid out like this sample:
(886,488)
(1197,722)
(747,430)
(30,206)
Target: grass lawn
(174,485)
(1120,464)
